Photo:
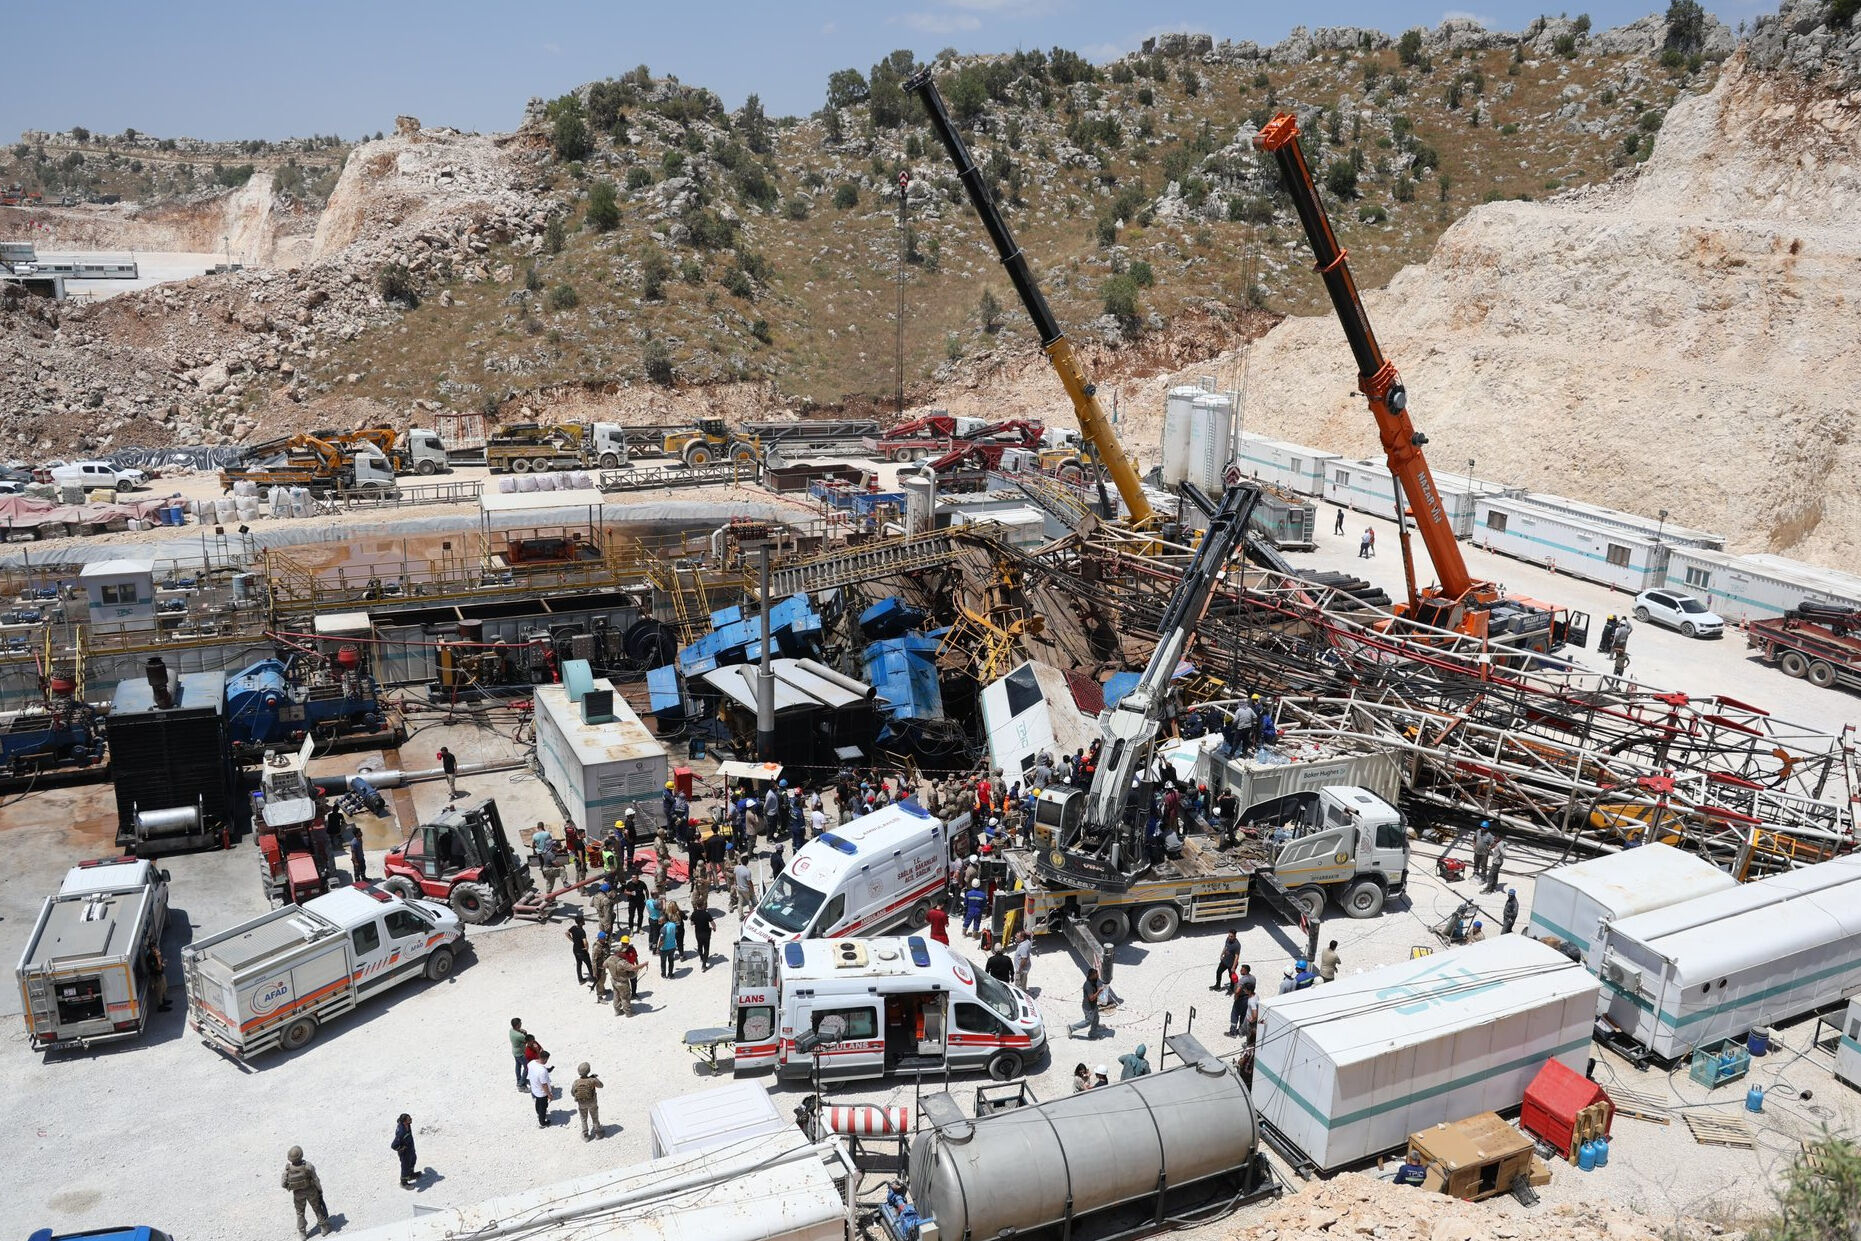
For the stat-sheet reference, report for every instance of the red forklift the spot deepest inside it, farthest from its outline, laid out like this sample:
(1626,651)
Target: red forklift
(463,858)
(297,859)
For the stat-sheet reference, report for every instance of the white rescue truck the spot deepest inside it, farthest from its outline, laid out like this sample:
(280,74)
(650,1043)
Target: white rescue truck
(873,1007)
(272,981)
(865,876)
(84,976)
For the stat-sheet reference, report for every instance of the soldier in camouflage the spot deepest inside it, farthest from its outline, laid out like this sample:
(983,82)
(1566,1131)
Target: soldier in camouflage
(300,1177)
(587,1102)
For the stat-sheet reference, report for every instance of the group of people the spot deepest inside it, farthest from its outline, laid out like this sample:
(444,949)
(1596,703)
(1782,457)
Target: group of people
(1613,641)
(1131,1064)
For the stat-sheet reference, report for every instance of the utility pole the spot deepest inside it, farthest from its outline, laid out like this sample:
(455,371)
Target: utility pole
(904,232)
(765,678)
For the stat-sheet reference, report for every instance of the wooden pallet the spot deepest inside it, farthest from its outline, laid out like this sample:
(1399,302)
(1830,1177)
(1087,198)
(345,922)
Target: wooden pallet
(1640,1105)
(1709,1130)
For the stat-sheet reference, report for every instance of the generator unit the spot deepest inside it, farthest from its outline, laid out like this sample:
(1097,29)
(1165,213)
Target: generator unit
(283,701)
(171,762)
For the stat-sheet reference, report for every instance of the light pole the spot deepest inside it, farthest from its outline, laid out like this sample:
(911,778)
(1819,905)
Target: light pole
(904,234)
(1662,527)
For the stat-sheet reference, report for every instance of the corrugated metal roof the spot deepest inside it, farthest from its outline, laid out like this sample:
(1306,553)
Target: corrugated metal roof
(797,688)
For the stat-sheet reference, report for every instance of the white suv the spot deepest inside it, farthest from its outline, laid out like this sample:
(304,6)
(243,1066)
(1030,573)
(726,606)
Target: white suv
(1678,611)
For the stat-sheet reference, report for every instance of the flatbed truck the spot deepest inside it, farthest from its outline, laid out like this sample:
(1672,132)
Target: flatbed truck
(1815,642)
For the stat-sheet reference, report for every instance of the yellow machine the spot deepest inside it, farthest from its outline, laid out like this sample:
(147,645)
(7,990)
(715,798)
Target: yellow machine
(711,439)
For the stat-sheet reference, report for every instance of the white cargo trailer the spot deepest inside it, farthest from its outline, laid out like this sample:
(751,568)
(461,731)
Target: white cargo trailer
(1296,467)
(1745,588)
(1717,966)
(1351,1068)
(1575,904)
(707,1119)
(772,1188)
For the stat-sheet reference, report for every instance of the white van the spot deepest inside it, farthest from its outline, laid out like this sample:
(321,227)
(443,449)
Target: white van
(869,874)
(871,1007)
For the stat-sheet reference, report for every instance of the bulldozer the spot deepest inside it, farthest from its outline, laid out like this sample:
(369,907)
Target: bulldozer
(463,858)
(712,440)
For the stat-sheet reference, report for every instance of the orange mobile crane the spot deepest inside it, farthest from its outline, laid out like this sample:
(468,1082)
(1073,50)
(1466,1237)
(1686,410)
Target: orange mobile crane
(1459,604)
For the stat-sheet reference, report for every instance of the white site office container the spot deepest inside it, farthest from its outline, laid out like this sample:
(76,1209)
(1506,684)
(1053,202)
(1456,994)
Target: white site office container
(1744,588)
(1295,467)
(707,1119)
(772,1188)
(1717,966)
(1512,526)
(1369,487)
(1624,522)
(1574,903)
(598,769)
(1848,1050)
(1350,1068)
(1211,442)
(1178,408)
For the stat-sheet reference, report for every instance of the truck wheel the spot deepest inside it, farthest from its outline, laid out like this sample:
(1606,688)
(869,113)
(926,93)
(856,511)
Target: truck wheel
(697,455)
(402,887)
(920,914)
(1158,923)
(1641,614)
(610,461)
(439,965)
(298,1033)
(743,454)
(1821,674)
(1793,663)
(428,468)
(1311,899)
(1109,926)
(474,902)
(1364,900)
(1072,472)
(539,465)
(1005,1066)
(901,454)
(520,465)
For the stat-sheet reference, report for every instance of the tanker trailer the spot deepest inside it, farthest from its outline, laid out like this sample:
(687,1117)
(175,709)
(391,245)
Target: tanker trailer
(1172,1147)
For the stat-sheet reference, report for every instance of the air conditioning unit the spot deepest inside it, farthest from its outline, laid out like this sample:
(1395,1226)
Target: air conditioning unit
(1621,975)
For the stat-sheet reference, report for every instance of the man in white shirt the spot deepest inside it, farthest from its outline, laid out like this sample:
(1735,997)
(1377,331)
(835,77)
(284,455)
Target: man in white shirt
(539,1088)
(1023,957)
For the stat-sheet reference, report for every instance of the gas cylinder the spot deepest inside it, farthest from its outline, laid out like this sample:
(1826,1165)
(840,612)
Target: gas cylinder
(1586,1157)
(1602,1150)
(1754,1099)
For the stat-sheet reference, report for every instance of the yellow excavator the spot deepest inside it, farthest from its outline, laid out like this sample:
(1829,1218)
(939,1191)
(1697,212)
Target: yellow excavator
(1094,426)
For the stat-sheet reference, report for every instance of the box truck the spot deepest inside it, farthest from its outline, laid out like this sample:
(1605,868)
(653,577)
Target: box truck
(84,976)
(273,981)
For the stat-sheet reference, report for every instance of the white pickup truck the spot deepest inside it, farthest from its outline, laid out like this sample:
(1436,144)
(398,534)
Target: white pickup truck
(96,475)
(272,981)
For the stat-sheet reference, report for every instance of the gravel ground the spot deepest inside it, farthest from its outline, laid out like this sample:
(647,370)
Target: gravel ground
(205,1137)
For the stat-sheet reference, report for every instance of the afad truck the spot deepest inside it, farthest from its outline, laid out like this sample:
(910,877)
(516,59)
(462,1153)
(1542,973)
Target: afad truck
(273,981)
(85,975)
(873,1007)
(869,874)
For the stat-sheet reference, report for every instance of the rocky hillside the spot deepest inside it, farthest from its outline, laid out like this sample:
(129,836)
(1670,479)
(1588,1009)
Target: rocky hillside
(635,240)
(1676,341)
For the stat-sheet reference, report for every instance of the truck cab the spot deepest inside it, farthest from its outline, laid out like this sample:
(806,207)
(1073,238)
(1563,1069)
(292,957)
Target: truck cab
(423,451)
(873,1007)
(607,445)
(371,470)
(1337,840)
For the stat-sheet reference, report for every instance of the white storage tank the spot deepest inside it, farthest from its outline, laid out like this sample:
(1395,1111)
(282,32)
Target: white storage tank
(1178,410)
(1350,1068)
(1715,967)
(1573,904)
(1211,436)
(597,766)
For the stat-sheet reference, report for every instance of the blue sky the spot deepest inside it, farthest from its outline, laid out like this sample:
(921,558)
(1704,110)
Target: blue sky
(268,70)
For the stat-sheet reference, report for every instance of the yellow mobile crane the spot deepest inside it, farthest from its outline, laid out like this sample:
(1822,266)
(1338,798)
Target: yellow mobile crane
(1093,424)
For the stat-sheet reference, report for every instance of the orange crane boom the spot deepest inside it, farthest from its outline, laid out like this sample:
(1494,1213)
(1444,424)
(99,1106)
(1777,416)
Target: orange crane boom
(1376,375)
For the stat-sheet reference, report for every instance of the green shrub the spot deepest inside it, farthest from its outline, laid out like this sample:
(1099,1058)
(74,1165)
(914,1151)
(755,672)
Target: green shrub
(1565,45)
(1508,129)
(847,196)
(1370,213)
(692,272)
(657,362)
(533,279)
(736,282)
(603,207)
(1409,47)
(564,297)
(709,230)
(570,136)
(555,236)
(1842,12)
(1140,271)
(396,284)
(1121,300)
(655,269)
(639,177)
(796,208)
(1341,179)
(760,330)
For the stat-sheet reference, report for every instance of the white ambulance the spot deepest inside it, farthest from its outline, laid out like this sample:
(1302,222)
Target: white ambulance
(865,876)
(872,1007)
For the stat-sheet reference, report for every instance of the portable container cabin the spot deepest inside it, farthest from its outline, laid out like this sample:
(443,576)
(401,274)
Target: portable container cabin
(596,754)
(1717,966)
(707,1119)
(1295,467)
(1626,523)
(1513,526)
(1369,487)
(1575,904)
(1744,588)
(1353,1067)
(120,595)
